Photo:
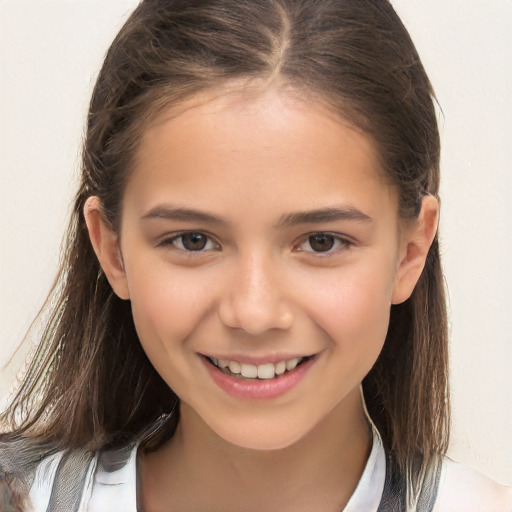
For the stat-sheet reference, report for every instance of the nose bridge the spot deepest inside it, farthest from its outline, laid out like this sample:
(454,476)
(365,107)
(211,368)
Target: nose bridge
(255,298)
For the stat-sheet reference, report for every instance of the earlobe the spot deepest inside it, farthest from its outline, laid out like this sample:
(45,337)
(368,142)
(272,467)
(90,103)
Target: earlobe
(106,246)
(417,239)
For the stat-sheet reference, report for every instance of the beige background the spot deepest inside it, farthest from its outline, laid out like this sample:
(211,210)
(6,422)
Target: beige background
(50,53)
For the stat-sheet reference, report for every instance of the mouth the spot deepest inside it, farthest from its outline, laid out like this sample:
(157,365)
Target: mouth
(266,380)
(253,372)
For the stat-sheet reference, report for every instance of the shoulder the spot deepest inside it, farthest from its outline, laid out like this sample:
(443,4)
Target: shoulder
(27,483)
(115,481)
(463,489)
(92,481)
(42,480)
(100,481)
(65,474)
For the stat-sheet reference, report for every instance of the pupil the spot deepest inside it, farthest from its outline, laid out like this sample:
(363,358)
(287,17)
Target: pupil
(321,243)
(194,241)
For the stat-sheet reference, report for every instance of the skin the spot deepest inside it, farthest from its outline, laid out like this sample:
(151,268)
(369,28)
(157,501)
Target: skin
(260,289)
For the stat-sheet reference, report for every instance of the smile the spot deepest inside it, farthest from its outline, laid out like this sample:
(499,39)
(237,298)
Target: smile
(263,381)
(263,371)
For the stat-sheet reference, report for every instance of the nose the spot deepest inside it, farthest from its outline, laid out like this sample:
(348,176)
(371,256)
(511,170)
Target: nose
(255,299)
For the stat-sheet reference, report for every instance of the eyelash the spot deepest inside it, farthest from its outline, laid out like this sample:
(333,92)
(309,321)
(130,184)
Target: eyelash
(178,238)
(340,243)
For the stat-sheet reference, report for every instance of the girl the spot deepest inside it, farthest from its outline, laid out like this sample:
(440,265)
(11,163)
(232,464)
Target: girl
(250,315)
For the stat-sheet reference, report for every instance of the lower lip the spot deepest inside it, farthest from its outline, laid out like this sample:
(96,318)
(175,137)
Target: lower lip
(264,389)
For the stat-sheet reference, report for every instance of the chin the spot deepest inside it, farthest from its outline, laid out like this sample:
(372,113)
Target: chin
(261,437)
(262,444)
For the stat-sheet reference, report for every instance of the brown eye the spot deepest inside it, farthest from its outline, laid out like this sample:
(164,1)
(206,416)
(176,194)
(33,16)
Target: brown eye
(321,242)
(191,241)
(324,244)
(194,241)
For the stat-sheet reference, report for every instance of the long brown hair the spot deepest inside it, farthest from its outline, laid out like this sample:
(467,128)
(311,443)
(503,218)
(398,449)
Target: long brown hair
(90,383)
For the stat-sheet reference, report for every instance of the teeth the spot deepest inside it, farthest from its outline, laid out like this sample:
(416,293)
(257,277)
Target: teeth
(249,370)
(292,363)
(280,367)
(262,371)
(234,367)
(266,371)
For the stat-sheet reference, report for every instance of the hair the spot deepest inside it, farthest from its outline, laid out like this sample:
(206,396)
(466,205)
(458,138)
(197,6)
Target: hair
(90,383)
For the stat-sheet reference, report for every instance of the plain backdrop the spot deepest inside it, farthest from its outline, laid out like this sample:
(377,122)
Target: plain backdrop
(51,51)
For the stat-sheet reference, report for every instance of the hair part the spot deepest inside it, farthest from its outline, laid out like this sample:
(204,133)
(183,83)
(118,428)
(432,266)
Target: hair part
(94,383)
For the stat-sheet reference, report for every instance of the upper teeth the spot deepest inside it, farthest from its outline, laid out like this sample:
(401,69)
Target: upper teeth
(260,371)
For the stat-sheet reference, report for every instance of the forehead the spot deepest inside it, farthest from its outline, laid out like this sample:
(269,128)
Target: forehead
(253,104)
(255,140)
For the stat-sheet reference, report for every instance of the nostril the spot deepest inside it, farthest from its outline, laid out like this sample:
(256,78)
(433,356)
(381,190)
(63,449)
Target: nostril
(255,319)
(254,299)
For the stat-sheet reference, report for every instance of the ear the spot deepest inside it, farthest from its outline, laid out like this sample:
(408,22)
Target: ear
(417,237)
(106,246)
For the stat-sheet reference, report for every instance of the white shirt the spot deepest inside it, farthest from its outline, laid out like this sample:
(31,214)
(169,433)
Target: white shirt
(461,489)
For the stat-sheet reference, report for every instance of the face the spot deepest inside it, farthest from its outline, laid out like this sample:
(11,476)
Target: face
(261,252)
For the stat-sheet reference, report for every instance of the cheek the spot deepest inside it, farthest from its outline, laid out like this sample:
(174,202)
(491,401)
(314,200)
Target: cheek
(166,305)
(353,308)
(166,311)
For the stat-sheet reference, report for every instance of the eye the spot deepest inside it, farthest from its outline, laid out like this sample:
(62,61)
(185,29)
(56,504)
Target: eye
(323,243)
(192,241)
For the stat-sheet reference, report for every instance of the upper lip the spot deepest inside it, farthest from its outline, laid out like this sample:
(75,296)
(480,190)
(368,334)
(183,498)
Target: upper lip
(256,360)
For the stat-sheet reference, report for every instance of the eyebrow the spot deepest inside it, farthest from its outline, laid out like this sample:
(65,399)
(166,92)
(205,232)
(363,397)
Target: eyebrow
(323,215)
(318,216)
(170,212)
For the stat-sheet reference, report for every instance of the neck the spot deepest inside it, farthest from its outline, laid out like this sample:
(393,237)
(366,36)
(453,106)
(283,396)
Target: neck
(197,470)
